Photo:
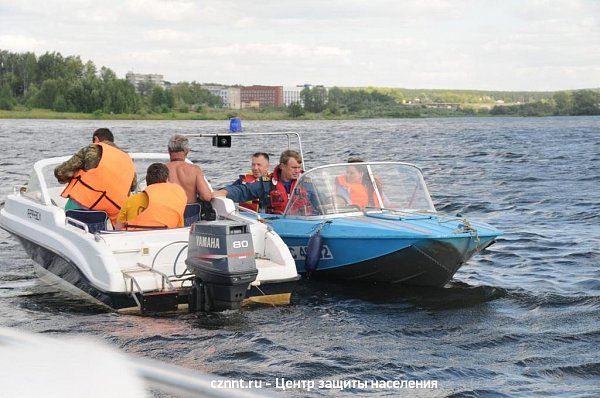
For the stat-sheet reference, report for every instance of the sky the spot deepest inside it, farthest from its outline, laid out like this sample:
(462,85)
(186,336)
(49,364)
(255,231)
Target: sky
(513,45)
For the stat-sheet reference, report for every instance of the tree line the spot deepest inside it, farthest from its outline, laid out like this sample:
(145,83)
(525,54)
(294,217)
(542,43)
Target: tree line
(575,103)
(52,81)
(67,84)
(372,102)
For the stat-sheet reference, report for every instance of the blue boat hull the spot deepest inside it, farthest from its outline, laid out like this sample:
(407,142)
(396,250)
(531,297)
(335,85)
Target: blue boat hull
(424,250)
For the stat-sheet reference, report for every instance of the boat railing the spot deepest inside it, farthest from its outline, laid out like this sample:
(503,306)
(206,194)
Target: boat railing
(288,134)
(77,223)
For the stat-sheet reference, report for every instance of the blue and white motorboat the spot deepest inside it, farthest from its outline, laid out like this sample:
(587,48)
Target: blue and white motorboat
(395,236)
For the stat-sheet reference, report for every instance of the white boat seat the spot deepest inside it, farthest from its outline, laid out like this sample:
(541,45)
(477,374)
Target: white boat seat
(94,219)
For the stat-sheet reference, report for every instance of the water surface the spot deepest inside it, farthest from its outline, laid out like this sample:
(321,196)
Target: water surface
(520,319)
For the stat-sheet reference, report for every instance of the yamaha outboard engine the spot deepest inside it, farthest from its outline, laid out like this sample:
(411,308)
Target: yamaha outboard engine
(221,256)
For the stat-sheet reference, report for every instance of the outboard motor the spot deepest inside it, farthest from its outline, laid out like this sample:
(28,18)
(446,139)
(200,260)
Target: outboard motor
(221,256)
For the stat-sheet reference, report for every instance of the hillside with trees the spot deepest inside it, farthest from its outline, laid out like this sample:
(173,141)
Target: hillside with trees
(68,84)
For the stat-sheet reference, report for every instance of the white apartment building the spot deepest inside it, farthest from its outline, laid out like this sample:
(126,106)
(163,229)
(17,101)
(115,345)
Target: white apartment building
(137,78)
(292,94)
(229,95)
(234,100)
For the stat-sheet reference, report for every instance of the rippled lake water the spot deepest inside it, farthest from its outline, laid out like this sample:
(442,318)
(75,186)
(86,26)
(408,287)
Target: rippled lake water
(520,319)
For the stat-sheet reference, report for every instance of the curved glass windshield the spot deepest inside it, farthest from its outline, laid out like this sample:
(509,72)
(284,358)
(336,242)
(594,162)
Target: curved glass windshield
(345,188)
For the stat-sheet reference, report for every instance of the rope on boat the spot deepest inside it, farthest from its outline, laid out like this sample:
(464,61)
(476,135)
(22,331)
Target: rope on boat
(318,227)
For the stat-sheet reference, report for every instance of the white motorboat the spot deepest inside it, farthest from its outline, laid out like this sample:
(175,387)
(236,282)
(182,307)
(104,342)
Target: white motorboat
(136,270)
(67,366)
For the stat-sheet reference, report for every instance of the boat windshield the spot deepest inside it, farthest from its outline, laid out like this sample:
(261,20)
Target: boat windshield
(44,188)
(351,187)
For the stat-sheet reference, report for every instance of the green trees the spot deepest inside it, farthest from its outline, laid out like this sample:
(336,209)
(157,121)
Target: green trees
(162,100)
(295,110)
(53,81)
(586,102)
(314,98)
(576,103)
(358,100)
(193,95)
(6,100)
(563,103)
(47,95)
(63,84)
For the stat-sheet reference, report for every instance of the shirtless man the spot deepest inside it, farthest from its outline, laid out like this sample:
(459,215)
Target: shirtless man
(189,176)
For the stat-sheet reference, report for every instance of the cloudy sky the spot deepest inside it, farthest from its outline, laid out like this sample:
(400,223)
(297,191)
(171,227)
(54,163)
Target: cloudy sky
(454,44)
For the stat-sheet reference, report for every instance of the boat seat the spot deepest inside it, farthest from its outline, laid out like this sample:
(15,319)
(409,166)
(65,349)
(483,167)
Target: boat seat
(191,214)
(94,219)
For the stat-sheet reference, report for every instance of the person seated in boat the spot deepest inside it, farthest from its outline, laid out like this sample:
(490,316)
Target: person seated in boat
(191,178)
(273,192)
(355,187)
(99,176)
(259,170)
(160,205)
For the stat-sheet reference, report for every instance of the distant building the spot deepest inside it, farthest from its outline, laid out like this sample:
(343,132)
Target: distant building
(262,95)
(292,94)
(234,100)
(219,91)
(250,104)
(138,79)
(230,96)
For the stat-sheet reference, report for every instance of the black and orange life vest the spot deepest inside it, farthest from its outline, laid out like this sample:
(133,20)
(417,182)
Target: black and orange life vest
(166,205)
(105,187)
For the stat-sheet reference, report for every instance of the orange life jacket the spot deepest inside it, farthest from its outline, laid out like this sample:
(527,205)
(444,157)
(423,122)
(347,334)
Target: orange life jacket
(105,187)
(356,190)
(166,205)
(359,195)
(254,205)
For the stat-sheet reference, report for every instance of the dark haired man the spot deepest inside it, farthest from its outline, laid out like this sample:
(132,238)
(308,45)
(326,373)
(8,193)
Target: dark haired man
(99,176)
(259,170)
(274,192)
(160,205)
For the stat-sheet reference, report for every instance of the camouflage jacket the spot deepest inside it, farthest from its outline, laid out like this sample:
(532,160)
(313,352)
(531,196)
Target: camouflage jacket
(85,159)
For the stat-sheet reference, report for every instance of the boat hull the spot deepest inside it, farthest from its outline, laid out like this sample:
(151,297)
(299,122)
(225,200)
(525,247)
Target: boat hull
(55,270)
(422,252)
(431,263)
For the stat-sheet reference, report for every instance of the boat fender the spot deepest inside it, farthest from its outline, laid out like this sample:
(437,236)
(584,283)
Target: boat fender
(313,251)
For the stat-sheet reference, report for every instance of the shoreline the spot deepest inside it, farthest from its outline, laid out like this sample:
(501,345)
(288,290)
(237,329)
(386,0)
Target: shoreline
(226,114)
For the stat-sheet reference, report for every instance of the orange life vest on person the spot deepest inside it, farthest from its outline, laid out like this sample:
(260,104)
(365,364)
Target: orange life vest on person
(105,187)
(253,205)
(359,195)
(356,190)
(166,205)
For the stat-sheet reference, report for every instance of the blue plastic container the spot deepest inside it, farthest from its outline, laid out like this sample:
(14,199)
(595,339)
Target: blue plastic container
(235,125)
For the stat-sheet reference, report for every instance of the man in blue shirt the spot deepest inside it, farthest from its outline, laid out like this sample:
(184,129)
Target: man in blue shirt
(273,192)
